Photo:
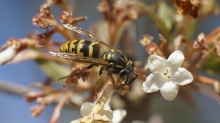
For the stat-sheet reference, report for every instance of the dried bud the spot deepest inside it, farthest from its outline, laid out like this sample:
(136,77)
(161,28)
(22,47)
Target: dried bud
(146,40)
(72,79)
(187,7)
(132,14)
(36,110)
(43,39)
(44,18)
(45,11)
(150,47)
(78,19)
(65,17)
(103,7)
(42,22)
(32,96)
(200,43)
(120,4)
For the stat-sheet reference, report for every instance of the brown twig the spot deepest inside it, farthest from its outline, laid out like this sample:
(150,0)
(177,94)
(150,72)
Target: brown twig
(13,88)
(185,25)
(204,80)
(211,35)
(208,54)
(62,31)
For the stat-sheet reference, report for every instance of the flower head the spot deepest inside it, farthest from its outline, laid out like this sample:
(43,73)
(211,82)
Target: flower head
(167,75)
(115,116)
(147,42)
(7,55)
(99,111)
(12,48)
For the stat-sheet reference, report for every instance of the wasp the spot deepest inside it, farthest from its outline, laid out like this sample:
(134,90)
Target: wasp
(85,51)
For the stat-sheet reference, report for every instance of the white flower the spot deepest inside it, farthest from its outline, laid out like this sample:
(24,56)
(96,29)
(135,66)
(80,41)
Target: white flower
(7,55)
(100,111)
(118,115)
(87,107)
(115,116)
(167,75)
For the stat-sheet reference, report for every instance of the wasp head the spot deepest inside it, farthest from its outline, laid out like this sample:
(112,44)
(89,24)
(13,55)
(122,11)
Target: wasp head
(127,70)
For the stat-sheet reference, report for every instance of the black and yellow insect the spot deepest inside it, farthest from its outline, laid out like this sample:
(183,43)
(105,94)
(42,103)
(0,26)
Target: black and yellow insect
(84,51)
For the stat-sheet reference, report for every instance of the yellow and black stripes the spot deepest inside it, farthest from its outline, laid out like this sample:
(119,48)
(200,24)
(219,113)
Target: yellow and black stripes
(81,47)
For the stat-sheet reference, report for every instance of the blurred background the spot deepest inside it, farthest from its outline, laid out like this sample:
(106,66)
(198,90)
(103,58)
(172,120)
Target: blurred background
(16,21)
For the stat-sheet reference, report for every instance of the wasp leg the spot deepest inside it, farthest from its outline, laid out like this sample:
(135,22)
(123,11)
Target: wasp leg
(126,81)
(82,68)
(112,80)
(97,83)
(110,74)
(90,66)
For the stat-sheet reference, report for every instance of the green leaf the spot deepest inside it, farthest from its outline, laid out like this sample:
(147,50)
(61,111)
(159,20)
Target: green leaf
(212,65)
(53,69)
(165,14)
(148,11)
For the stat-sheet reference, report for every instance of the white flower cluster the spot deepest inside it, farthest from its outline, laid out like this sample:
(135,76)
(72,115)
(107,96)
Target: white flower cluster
(99,111)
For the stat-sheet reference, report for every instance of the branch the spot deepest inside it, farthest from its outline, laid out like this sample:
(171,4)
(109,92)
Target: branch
(13,87)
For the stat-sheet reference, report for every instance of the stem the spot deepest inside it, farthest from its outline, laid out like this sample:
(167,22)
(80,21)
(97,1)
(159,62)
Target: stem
(62,31)
(149,12)
(56,114)
(185,25)
(102,100)
(163,42)
(211,35)
(64,5)
(13,88)
(200,63)
(204,80)
(114,33)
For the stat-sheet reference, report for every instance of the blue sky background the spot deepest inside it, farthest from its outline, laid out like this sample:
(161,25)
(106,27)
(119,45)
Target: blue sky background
(16,21)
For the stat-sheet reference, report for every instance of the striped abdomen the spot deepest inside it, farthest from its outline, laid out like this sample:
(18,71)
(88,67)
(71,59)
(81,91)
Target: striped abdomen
(81,47)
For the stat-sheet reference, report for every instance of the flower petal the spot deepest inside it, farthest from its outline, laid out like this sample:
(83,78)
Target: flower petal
(175,60)
(76,121)
(169,90)
(86,108)
(118,115)
(182,76)
(7,55)
(108,113)
(153,83)
(157,63)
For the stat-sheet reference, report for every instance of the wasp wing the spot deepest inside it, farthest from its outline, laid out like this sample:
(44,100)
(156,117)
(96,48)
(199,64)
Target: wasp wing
(77,58)
(86,33)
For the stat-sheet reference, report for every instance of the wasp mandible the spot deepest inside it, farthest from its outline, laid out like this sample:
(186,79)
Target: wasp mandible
(84,51)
